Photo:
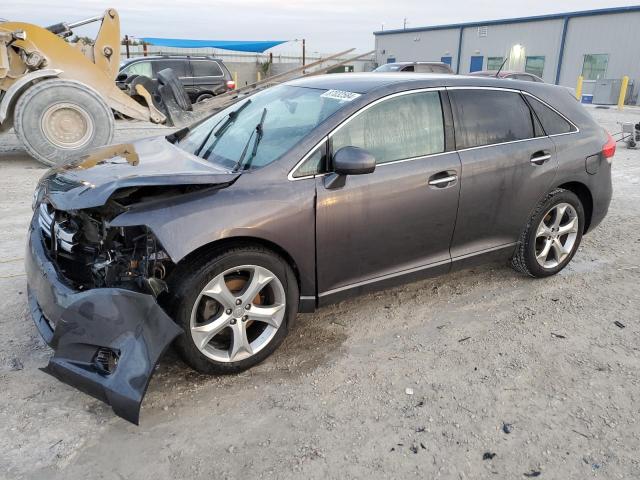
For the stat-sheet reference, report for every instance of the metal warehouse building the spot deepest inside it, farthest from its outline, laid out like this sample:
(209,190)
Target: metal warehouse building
(598,44)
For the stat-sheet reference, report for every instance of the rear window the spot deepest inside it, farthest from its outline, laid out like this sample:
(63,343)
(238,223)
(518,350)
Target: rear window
(205,68)
(552,123)
(487,117)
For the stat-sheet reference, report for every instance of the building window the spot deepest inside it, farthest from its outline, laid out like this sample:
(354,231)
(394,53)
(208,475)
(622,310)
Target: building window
(595,66)
(494,63)
(534,65)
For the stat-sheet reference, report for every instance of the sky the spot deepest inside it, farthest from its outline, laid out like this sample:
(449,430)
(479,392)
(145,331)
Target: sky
(327,25)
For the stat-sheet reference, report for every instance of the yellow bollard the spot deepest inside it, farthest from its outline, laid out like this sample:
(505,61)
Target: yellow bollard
(579,88)
(235,80)
(623,92)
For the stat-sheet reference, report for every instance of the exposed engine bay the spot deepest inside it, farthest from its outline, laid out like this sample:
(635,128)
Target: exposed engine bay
(90,254)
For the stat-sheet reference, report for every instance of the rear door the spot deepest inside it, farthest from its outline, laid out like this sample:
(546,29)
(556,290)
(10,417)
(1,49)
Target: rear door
(508,165)
(398,219)
(208,76)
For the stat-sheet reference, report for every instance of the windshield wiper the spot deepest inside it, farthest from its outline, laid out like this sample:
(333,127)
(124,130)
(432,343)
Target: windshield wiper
(227,122)
(259,130)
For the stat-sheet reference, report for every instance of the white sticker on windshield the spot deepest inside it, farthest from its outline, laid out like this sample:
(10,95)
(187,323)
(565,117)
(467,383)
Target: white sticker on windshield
(340,95)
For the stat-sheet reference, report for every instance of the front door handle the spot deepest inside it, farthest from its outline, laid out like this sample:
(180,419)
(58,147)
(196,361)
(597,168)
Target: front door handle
(443,179)
(540,158)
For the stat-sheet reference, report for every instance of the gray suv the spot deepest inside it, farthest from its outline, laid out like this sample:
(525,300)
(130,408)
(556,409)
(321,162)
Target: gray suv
(202,77)
(304,194)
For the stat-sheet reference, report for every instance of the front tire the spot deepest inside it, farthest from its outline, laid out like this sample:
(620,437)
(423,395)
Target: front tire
(552,235)
(235,308)
(58,120)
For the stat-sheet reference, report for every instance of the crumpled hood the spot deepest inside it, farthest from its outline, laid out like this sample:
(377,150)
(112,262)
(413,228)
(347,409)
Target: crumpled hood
(91,180)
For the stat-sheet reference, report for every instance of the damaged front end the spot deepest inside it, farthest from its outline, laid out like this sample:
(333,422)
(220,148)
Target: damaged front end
(92,294)
(95,287)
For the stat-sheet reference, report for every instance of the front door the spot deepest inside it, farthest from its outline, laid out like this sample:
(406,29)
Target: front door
(400,218)
(508,166)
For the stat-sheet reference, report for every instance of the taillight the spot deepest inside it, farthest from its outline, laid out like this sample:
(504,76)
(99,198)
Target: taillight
(609,148)
(231,85)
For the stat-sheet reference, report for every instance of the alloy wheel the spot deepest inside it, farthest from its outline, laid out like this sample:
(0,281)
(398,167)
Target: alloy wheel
(238,313)
(556,235)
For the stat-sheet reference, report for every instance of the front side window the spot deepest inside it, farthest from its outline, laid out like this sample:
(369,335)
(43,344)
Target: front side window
(257,131)
(595,66)
(402,127)
(139,68)
(534,65)
(552,123)
(314,164)
(494,63)
(486,117)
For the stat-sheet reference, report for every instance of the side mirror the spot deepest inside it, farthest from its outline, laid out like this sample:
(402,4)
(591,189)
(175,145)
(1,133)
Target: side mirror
(353,161)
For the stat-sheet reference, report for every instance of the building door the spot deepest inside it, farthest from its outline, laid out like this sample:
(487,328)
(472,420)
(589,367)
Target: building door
(446,60)
(476,63)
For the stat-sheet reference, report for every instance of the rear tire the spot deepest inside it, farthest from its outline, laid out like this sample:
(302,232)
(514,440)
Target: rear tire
(552,236)
(204,96)
(215,325)
(58,120)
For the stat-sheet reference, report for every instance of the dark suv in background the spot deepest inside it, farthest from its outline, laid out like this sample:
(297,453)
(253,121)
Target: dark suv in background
(202,77)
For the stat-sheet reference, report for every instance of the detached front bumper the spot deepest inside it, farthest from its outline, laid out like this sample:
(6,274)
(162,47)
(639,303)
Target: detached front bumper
(107,341)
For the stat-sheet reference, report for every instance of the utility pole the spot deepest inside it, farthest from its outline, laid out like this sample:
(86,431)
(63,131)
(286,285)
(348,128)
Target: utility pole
(304,52)
(126,44)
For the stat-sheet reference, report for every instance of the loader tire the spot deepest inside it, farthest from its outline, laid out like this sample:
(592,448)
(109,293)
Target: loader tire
(168,78)
(59,120)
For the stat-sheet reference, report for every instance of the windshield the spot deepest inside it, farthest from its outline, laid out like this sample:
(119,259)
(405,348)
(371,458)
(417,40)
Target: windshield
(389,67)
(255,132)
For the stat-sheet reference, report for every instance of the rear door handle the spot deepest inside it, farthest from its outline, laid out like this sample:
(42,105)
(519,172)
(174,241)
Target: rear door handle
(540,158)
(440,181)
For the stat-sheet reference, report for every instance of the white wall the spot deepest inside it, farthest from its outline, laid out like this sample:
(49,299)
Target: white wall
(418,46)
(540,38)
(617,35)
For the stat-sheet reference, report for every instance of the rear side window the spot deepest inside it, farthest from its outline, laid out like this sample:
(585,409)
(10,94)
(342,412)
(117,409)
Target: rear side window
(178,66)
(402,127)
(205,68)
(409,68)
(487,117)
(552,123)
(424,69)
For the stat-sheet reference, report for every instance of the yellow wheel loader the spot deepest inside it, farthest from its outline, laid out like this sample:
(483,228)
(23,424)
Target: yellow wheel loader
(60,97)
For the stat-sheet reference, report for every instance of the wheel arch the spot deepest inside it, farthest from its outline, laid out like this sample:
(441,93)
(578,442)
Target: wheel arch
(586,198)
(211,248)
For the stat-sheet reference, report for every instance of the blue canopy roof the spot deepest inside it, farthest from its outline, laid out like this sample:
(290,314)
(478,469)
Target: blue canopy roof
(237,45)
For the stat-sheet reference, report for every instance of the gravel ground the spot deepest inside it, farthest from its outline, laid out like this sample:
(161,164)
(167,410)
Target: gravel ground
(480,374)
